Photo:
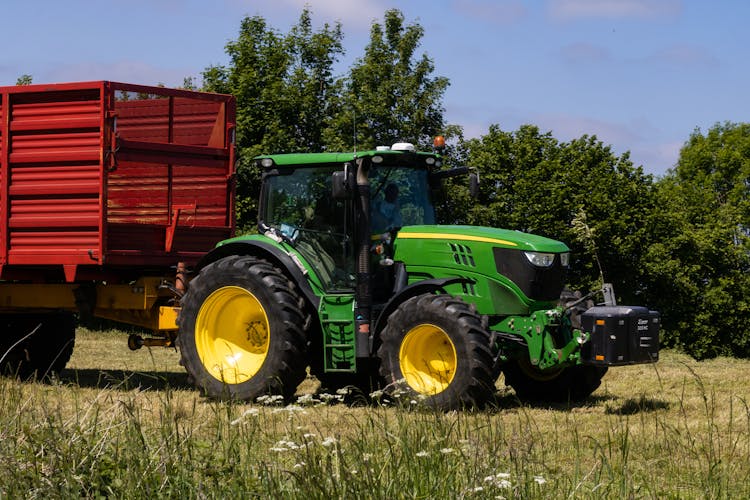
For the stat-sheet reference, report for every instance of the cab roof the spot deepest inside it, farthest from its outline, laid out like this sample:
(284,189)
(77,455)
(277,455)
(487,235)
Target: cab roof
(301,159)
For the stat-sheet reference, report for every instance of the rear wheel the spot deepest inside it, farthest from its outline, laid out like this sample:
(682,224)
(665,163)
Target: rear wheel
(36,345)
(243,330)
(570,384)
(435,347)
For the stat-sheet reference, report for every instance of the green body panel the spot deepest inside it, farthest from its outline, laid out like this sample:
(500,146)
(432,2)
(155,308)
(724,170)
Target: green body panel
(336,314)
(466,251)
(479,234)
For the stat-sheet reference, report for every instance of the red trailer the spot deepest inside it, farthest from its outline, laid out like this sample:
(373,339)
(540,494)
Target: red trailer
(107,192)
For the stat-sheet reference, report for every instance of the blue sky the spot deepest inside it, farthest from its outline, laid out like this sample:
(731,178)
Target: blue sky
(641,75)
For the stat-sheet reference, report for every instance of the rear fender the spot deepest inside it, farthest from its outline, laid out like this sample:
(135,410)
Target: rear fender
(418,288)
(267,251)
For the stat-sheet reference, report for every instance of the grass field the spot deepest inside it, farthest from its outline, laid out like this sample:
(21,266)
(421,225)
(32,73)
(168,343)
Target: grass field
(126,424)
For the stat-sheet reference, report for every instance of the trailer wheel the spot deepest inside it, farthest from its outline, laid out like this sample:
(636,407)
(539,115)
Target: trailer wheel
(35,346)
(570,384)
(243,330)
(434,347)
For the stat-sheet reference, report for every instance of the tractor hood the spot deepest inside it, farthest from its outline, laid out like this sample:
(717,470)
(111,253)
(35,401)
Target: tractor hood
(442,235)
(514,268)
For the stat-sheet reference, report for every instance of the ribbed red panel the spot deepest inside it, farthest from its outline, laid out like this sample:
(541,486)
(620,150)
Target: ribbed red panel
(55,175)
(99,173)
(148,120)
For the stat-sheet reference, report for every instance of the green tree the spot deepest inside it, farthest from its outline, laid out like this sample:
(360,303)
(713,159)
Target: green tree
(24,80)
(284,85)
(389,94)
(533,183)
(697,268)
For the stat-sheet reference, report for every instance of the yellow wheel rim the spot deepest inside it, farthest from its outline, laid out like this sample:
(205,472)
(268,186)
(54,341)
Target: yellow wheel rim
(232,334)
(428,359)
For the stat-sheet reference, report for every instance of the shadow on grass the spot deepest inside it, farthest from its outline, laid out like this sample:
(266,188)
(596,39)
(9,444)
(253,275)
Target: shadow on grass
(507,401)
(640,405)
(125,380)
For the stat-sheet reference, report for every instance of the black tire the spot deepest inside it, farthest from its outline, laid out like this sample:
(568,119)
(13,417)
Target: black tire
(46,348)
(570,384)
(434,347)
(243,331)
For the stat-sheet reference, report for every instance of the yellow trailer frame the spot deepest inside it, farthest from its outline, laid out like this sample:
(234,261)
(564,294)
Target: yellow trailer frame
(143,302)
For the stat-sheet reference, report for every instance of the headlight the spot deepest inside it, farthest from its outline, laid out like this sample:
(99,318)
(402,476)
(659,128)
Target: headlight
(540,259)
(565,259)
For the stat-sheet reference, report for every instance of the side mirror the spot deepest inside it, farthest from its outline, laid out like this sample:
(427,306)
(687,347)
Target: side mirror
(474,184)
(342,184)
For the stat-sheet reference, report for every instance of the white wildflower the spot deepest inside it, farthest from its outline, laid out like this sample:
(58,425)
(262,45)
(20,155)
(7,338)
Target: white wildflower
(423,454)
(539,480)
(306,399)
(327,397)
(447,451)
(329,441)
(269,400)
(290,409)
(249,412)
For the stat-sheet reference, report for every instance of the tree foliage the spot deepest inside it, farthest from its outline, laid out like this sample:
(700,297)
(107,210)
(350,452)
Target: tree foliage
(390,94)
(533,183)
(696,268)
(284,85)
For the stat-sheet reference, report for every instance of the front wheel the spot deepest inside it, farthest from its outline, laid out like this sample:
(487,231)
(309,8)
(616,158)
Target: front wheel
(435,347)
(243,330)
(570,384)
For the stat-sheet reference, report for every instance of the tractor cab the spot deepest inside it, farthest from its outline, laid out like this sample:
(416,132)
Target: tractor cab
(330,205)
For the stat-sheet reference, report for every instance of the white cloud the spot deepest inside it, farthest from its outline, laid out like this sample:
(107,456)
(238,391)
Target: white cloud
(565,127)
(355,15)
(655,158)
(613,9)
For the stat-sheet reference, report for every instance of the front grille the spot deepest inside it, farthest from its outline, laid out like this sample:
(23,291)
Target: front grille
(535,282)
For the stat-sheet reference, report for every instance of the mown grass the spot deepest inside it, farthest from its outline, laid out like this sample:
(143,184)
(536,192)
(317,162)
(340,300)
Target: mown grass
(125,424)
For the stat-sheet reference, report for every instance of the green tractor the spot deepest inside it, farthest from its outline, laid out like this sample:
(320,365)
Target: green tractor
(351,277)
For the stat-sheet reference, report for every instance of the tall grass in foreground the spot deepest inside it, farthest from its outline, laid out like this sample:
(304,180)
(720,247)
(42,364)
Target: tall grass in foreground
(686,438)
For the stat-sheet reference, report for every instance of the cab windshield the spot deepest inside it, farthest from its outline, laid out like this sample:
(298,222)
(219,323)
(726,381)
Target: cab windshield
(399,196)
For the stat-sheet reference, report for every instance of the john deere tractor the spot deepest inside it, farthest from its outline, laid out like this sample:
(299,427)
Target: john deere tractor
(351,276)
